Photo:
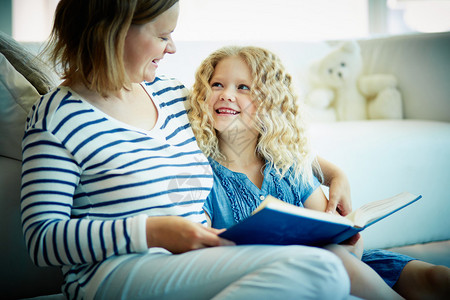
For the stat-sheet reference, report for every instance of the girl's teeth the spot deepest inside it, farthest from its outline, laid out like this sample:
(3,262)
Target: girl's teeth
(227,111)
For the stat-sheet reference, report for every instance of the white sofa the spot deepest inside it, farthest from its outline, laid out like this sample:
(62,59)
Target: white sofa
(380,157)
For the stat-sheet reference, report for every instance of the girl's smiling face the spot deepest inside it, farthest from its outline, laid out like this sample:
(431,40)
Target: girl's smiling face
(230,103)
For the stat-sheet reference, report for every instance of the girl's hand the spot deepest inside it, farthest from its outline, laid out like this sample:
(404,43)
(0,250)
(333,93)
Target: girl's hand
(179,235)
(339,188)
(339,194)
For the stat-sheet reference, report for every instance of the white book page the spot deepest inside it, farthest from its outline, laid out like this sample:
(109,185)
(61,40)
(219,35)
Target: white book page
(377,209)
(301,211)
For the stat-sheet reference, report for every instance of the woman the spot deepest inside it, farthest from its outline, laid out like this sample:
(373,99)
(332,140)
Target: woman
(113,182)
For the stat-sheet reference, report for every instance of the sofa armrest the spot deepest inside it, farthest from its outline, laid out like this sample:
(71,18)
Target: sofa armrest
(437,253)
(383,158)
(19,276)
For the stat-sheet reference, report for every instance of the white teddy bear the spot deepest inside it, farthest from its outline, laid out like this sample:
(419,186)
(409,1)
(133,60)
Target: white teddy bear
(339,92)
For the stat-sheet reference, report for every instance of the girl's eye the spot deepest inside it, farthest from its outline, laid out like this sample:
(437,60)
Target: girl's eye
(243,87)
(216,84)
(165,39)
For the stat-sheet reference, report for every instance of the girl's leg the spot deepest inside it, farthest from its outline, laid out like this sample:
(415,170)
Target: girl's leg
(237,272)
(421,280)
(364,281)
(389,265)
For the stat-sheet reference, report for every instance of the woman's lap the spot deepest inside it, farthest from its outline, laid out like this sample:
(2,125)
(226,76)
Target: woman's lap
(239,272)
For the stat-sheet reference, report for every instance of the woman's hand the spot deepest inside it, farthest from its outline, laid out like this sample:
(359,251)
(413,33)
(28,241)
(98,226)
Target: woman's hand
(179,235)
(339,188)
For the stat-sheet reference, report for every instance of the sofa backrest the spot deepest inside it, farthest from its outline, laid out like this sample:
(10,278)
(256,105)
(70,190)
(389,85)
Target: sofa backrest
(421,63)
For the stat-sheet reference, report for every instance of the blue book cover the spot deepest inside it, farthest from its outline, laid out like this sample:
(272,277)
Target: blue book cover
(278,223)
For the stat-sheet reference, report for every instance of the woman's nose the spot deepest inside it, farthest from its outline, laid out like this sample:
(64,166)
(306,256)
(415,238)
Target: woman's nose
(171,48)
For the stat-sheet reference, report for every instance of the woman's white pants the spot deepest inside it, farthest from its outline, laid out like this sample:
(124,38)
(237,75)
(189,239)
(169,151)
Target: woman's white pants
(234,272)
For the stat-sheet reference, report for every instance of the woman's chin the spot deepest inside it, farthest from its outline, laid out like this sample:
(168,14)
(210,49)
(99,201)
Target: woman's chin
(148,75)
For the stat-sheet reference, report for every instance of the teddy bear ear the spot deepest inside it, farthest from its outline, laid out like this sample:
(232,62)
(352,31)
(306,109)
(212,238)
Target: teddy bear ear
(350,46)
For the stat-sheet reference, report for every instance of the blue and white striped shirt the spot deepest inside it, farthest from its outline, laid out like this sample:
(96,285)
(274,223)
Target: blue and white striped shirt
(90,181)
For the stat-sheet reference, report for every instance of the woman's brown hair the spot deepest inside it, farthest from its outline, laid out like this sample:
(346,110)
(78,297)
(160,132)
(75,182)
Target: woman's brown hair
(88,37)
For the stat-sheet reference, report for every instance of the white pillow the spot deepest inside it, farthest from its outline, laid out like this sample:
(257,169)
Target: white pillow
(17,96)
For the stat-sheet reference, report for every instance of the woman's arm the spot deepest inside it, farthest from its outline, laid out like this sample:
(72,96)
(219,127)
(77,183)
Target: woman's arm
(339,192)
(55,237)
(50,176)
(179,235)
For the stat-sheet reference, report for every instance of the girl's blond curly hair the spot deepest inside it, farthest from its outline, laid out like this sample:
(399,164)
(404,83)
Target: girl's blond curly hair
(282,140)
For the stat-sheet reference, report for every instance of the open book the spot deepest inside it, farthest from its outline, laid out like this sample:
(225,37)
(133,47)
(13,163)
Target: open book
(279,223)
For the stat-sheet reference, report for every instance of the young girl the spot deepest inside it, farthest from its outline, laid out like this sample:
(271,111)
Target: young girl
(248,122)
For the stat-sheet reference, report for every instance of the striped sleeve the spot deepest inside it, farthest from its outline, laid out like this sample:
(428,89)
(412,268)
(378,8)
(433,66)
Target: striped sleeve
(50,176)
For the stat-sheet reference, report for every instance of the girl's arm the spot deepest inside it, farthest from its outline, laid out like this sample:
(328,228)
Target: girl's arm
(208,219)
(339,193)
(317,200)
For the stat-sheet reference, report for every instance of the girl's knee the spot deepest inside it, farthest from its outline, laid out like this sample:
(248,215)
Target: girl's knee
(438,277)
(438,273)
(421,280)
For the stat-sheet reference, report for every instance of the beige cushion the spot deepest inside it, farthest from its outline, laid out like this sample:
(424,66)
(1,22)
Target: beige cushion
(17,96)
(23,77)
